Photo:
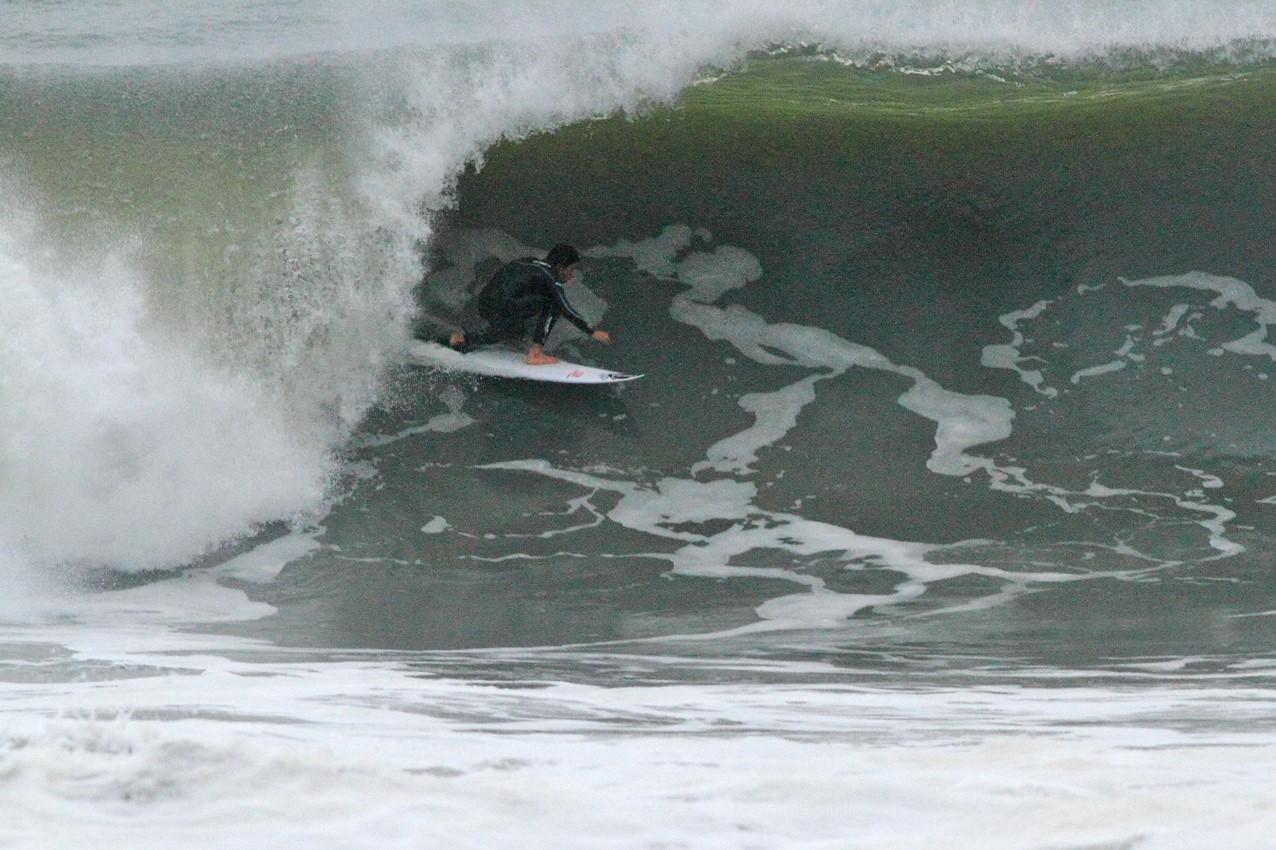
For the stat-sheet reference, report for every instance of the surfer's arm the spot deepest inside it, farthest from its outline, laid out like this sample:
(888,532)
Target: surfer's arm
(568,311)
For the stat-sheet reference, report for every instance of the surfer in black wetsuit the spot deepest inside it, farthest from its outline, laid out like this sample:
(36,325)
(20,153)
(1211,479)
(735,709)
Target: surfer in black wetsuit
(519,291)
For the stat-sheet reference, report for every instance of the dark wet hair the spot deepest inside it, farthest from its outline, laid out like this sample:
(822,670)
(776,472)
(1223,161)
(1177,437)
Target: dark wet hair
(562,255)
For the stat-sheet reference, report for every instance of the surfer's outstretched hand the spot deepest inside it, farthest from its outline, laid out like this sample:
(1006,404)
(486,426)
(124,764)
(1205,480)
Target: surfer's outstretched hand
(601,336)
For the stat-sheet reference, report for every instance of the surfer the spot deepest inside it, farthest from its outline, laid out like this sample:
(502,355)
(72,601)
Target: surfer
(520,290)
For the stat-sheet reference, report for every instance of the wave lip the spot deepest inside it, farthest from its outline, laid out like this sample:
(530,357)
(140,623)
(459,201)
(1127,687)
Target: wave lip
(156,32)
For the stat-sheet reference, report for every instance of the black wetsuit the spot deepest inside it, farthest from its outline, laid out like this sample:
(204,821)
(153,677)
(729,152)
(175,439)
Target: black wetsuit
(519,291)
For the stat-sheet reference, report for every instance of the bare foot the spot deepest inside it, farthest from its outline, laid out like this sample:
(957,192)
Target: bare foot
(538,357)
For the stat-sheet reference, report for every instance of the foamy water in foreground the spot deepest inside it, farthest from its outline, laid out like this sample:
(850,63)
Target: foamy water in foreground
(144,736)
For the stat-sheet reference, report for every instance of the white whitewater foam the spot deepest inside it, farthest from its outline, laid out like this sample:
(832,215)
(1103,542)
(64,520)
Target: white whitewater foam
(121,447)
(368,754)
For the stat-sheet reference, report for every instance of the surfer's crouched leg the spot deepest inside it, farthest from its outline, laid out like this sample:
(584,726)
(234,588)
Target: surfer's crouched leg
(480,334)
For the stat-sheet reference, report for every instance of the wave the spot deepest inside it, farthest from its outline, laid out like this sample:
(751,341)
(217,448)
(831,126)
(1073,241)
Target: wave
(228,209)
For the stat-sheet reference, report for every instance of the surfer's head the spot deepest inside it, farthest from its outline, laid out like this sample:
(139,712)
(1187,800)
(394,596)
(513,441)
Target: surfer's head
(562,255)
(562,259)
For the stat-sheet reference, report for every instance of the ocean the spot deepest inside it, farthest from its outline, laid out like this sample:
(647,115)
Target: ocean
(942,516)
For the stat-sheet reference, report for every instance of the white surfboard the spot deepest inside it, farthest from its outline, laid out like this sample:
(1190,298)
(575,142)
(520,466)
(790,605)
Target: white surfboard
(503,363)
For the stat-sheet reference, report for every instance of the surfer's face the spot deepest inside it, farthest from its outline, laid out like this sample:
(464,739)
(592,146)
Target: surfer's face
(566,273)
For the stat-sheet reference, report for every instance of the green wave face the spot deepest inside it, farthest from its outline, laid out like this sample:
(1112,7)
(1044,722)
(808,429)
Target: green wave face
(790,149)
